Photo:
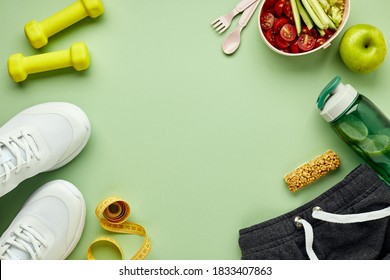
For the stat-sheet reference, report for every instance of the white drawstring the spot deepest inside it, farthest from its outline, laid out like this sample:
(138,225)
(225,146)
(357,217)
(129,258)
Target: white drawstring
(350,218)
(319,214)
(309,237)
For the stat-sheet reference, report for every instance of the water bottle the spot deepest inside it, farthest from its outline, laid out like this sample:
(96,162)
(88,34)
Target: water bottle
(359,123)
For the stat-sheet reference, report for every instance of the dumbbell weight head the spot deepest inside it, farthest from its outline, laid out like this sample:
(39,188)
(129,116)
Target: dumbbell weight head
(16,67)
(35,34)
(94,8)
(79,55)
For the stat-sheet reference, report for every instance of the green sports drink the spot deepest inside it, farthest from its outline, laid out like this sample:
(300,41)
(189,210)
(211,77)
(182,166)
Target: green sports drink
(361,124)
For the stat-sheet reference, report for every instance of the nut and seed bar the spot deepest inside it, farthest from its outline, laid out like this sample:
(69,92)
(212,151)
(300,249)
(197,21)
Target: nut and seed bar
(312,171)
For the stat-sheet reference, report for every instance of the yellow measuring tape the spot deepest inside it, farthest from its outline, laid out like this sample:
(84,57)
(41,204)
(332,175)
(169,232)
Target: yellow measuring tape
(112,214)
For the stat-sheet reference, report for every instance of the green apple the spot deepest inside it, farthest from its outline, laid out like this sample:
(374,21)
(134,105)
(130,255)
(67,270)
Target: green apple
(363,48)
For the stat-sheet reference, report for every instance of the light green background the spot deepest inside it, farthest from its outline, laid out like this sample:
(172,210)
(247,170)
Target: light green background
(196,141)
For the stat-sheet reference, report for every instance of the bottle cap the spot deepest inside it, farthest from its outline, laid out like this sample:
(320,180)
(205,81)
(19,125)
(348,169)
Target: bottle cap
(335,99)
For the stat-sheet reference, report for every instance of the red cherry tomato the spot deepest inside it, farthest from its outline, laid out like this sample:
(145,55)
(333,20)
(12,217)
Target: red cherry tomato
(279,24)
(270,35)
(329,33)
(269,4)
(279,7)
(281,43)
(305,29)
(320,41)
(314,33)
(306,42)
(288,32)
(267,20)
(287,10)
(294,47)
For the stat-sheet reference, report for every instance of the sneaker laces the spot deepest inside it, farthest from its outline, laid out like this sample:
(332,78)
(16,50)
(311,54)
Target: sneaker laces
(24,242)
(23,145)
(319,214)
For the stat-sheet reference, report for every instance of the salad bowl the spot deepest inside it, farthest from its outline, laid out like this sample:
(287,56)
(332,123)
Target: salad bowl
(293,27)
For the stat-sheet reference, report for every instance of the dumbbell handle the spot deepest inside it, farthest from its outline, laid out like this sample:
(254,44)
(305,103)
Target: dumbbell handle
(47,61)
(64,18)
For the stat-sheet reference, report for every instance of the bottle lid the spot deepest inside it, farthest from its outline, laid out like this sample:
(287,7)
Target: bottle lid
(335,99)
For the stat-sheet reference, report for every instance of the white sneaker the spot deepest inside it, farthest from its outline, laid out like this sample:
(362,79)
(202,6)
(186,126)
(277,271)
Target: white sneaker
(41,138)
(49,225)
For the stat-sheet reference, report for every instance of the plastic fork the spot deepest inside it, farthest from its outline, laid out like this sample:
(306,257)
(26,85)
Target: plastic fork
(223,22)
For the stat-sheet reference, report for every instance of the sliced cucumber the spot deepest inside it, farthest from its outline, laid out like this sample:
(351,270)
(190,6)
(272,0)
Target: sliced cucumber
(305,16)
(313,15)
(321,32)
(319,11)
(297,17)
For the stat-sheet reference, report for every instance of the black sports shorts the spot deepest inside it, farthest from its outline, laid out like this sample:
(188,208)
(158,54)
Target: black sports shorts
(285,237)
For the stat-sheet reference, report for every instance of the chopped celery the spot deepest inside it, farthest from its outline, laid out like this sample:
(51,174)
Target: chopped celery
(325,5)
(336,3)
(335,11)
(336,14)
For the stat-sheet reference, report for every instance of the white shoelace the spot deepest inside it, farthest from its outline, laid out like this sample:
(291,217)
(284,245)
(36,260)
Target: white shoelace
(17,145)
(319,214)
(24,241)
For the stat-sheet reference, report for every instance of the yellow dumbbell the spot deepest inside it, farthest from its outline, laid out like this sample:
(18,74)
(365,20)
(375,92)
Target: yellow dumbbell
(39,32)
(20,66)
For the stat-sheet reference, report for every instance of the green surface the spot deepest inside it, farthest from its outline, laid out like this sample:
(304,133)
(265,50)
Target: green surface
(196,141)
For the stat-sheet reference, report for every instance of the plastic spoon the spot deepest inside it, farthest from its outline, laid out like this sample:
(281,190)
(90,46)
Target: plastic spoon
(232,41)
